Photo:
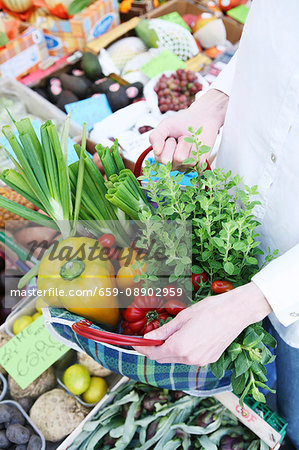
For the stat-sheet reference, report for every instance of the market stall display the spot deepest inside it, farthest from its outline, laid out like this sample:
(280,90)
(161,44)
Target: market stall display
(126,79)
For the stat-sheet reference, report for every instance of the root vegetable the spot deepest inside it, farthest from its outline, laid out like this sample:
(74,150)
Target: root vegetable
(18,434)
(35,442)
(43,383)
(93,367)
(4,442)
(6,413)
(57,414)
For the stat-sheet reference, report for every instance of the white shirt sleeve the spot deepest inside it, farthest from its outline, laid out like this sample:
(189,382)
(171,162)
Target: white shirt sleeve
(224,81)
(277,282)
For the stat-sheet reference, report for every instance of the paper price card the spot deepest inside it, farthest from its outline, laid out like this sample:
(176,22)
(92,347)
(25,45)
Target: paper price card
(28,354)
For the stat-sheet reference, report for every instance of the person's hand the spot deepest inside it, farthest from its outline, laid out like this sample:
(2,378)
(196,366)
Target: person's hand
(199,335)
(168,139)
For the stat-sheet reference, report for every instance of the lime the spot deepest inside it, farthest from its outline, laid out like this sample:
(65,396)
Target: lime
(97,389)
(76,379)
(36,315)
(40,303)
(20,323)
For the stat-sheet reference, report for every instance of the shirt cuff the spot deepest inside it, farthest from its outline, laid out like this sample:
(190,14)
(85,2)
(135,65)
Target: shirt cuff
(276,281)
(224,81)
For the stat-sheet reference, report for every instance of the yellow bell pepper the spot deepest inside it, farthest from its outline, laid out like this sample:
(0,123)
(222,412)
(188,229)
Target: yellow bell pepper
(76,276)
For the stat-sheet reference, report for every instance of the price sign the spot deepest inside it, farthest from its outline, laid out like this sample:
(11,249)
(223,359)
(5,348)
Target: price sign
(28,354)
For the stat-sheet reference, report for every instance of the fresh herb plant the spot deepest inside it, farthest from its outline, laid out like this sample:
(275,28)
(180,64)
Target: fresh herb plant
(224,245)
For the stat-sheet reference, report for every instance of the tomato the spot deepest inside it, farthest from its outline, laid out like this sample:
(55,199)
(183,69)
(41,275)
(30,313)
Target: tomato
(198,278)
(174,306)
(156,323)
(220,286)
(73,268)
(112,253)
(144,313)
(171,291)
(107,240)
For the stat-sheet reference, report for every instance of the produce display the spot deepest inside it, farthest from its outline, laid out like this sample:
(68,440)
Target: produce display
(176,92)
(144,417)
(84,80)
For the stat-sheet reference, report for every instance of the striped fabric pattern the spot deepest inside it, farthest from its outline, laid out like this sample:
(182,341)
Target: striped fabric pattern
(129,363)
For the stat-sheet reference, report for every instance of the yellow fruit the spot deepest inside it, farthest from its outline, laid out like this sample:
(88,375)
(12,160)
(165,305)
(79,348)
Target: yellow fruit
(97,389)
(76,379)
(39,304)
(36,316)
(76,269)
(125,278)
(20,323)
(127,256)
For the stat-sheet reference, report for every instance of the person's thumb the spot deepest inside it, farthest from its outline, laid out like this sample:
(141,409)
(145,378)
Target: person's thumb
(166,330)
(159,135)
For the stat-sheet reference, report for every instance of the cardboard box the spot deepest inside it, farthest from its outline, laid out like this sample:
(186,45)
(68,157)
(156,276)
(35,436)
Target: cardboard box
(233,28)
(23,54)
(66,36)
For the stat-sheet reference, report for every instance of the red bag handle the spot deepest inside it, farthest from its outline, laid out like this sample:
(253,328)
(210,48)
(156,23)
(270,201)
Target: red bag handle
(83,329)
(139,162)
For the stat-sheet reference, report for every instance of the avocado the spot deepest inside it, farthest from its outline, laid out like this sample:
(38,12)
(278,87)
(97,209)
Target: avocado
(101,85)
(91,66)
(117,97)
(65,98)
(134,90)
(76,85)
(54,89)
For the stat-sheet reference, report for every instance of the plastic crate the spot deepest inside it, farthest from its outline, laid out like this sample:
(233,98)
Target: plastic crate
(271,417)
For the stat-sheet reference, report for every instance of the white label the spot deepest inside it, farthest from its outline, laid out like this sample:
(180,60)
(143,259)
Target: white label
(20,63)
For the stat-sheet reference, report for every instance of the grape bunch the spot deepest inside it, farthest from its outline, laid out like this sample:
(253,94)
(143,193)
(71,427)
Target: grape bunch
(177,91)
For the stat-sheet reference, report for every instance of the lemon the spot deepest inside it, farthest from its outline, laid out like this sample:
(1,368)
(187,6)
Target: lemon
(97,389)
(20,323)
(36,315)
(40,303)
(76,379)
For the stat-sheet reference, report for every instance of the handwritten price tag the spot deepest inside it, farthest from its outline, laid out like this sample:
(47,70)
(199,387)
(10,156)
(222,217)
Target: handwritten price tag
(28,354)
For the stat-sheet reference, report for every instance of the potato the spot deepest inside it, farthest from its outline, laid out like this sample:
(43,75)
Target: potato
(57,414)
(17,434)
(45,382)
(94,368)
(3,339)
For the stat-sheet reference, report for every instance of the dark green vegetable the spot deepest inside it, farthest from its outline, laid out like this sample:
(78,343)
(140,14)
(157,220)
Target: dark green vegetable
(76,85)
(91,66)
